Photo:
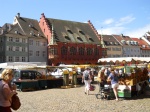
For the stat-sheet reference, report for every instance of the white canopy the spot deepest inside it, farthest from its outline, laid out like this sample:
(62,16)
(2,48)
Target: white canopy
(17,65)
(126,59)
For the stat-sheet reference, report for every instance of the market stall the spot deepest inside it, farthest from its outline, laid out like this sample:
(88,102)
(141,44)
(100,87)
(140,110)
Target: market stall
(133,76)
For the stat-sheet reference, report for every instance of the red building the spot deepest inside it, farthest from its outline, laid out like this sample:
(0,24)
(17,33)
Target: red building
(71,42)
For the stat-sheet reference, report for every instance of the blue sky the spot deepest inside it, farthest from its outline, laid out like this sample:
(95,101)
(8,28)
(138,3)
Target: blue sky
(128,17)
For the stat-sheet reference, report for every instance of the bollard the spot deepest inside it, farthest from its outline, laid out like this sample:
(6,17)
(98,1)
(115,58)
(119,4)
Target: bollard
(65,79)
(74,78)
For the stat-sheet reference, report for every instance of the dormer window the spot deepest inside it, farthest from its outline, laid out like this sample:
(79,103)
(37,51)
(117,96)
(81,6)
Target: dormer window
(111,43)
(31,33)
(91,39)
(67,38)
(79,38)
(16,32)
(81,32)
(143,46)
(70,31)
(123,41)
(38,34)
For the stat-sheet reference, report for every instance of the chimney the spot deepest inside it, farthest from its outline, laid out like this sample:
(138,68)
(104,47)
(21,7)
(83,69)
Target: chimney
(9,27)
(18,15)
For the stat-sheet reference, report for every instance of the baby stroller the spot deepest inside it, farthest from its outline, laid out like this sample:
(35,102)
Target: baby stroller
(104,91)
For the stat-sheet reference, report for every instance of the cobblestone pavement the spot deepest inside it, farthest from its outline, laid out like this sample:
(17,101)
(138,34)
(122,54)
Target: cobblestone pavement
(74,100)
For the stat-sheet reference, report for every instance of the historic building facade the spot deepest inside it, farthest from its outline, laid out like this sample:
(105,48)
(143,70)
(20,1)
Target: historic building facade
(71,42)
(22,41)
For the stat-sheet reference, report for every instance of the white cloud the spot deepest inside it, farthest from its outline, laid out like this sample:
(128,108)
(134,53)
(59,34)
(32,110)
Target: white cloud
(120,27)
(138,32)
(111,30)
(108,21)
(125,20)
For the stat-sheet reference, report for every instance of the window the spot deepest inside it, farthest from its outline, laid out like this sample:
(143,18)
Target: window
(81,32)
(70,31)
(43,53)
(17,39)
(23,49)
(81,51)
(23,40)
(73,51)
(23,59)
(10,48)
(91,39)
(17,48)
(67,38)
(10,58)
(1,39)
(17,59)
(44,43)
(96,52)
(53,51)
(30,42)
(79,38)
(64,50)
(37,43)
(37,53)
(89,51)
(10,39)
(30,53)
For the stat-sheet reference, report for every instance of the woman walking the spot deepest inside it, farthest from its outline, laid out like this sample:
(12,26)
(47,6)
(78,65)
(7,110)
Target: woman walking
(114,82)
(86,78)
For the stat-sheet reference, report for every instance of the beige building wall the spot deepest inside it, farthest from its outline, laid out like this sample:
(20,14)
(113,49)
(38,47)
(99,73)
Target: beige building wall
(114,51)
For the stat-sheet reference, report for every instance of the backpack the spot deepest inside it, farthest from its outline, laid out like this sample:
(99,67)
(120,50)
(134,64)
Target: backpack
(86,75)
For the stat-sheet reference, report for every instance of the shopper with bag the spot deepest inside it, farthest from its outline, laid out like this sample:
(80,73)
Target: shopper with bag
(86,78)
(6,90)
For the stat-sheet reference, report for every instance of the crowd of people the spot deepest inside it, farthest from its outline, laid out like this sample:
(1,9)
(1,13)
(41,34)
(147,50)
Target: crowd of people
(104,76)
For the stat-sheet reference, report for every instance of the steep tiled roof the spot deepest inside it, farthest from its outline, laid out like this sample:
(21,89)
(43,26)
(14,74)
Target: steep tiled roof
(6,27)
(124,40)
(70,31)
(30,27)
(141,42)
(110,40)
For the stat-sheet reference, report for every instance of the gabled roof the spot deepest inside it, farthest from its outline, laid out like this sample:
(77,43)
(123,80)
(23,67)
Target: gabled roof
(141,43)
(70,31)
(110,40)
(29,27)
(5,28)
(15,30)
(124,40)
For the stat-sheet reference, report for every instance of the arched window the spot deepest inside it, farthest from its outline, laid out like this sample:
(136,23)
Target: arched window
(89,51)
(64,50)
(96,52)
(81,51)
(73,51)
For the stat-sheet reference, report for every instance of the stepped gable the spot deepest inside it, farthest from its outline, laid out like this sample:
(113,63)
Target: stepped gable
(74,32)
(30,27)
